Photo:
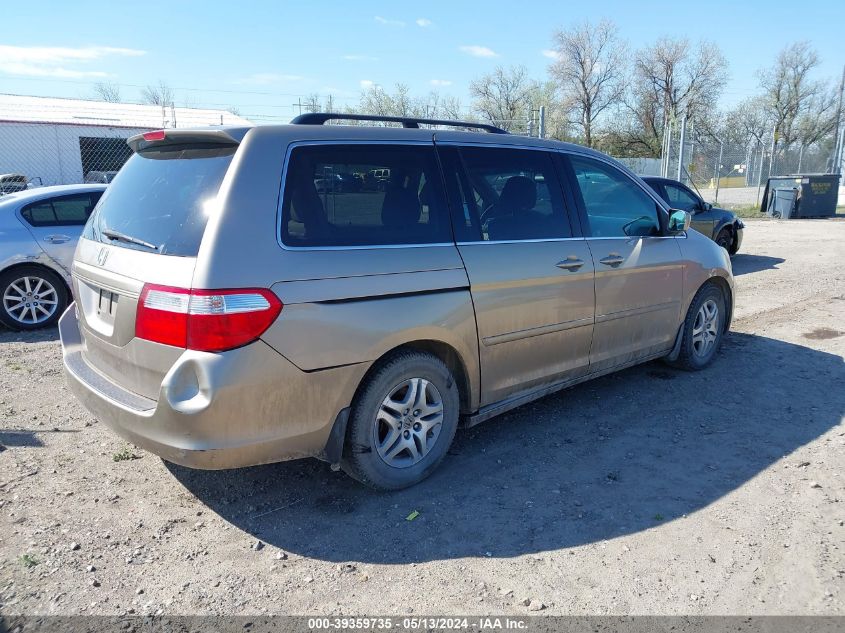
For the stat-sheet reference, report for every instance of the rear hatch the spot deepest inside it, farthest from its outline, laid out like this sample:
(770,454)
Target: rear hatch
(146,229)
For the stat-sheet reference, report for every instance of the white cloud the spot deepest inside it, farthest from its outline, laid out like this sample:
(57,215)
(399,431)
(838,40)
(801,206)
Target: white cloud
(441,83)
(360,58)
(266,79)
(424,22)
(367,83)
(478,51)
(388,22)
(550,53)
(52,61)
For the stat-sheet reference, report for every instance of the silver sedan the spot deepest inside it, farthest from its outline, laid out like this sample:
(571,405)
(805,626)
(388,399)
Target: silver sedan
(39,229)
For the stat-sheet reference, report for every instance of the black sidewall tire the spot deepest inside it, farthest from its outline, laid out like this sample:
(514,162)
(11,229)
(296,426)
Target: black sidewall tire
(725,235)
(688,359)
(360,458)
(57,282)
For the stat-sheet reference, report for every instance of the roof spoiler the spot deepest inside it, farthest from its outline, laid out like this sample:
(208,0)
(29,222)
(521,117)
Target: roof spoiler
(170,136)
(320,118)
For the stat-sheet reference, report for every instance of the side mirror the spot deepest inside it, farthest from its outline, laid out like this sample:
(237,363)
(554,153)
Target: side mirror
(707,206)
(679,221)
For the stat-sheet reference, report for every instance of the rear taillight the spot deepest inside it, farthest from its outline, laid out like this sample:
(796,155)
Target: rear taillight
(204,320)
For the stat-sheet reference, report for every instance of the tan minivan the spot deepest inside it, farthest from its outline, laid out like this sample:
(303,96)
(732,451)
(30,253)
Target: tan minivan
(227,313)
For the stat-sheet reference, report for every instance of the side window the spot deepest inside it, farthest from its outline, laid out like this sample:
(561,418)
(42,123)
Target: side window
(680,198)
(64,211)
(39,214)
(359,195)
(510,194)
(616,206)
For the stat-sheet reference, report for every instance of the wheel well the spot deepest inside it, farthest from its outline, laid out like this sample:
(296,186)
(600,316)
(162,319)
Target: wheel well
(448,355)
(722,285)
(42,266)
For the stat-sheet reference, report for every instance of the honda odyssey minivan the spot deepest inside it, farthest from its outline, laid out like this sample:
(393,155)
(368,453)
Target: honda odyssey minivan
(228,313)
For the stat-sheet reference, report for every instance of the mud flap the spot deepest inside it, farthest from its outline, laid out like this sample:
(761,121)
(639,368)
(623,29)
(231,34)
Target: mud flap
(676,348)
(334,445)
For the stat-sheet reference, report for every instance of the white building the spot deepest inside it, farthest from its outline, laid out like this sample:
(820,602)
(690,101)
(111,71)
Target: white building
(59,141)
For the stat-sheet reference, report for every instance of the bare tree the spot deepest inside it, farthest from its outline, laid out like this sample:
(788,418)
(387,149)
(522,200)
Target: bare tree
(669,79)
(503,97)
(161,94)
(107,91)
(590,70)
(688,81)
(749,122)
(801,108)
(450,108)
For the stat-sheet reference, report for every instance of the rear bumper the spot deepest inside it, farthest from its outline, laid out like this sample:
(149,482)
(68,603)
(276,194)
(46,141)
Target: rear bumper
(239,408)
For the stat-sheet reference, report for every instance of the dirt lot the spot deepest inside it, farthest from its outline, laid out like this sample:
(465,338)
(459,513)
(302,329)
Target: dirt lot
(647,492)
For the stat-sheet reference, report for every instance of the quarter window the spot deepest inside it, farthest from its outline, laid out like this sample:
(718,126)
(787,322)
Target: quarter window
(358,195)
(65,211)
(509,194)
(616,206)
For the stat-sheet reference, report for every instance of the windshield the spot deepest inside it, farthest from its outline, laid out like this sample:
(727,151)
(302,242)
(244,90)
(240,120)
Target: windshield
(162,197)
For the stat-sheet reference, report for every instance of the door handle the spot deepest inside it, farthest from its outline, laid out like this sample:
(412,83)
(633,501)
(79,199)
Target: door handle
(570,264)
(612,260)
(58,239)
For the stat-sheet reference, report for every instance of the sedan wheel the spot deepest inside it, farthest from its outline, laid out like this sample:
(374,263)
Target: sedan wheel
(32,298)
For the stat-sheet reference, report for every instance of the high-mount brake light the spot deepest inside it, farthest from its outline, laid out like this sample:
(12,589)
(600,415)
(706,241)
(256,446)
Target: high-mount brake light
(205,320)
(157,135)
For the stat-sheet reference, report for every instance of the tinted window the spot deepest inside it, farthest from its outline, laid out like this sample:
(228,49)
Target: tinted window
(357,195)
(64,211)
(616,206)
(163,197)
(509,194)
(680,198)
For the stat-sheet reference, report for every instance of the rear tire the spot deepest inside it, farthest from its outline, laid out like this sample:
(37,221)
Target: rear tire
(402,423)
(703,329)
(31,297)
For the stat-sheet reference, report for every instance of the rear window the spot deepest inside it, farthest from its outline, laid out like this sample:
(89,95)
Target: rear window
(359,195)
(162,197)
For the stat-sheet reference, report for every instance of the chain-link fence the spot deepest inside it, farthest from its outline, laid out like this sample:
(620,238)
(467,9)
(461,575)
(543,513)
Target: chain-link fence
(65,141)
(735,173)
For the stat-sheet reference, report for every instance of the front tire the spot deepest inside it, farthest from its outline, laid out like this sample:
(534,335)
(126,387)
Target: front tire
(402,423)
(704,327)
(32,297)
(725,239)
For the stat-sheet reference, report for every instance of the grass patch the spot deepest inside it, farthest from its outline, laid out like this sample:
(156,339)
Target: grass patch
(658,517)
(124,454)
(29,561)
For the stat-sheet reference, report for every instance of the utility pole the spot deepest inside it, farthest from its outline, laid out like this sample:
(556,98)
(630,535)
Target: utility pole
(774,147)
(837,149)
(760,172)
(541,133)
(681,146)
(719,171)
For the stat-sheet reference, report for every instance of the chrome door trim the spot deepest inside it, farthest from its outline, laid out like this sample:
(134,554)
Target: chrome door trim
(531,241)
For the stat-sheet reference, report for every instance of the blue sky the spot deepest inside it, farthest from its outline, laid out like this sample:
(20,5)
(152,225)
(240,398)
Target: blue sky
(262,56)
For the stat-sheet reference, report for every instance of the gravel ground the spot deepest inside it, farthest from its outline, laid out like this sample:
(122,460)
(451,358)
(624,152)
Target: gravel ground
(647,492)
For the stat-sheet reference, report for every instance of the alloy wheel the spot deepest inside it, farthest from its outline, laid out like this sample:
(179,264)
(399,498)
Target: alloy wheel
(705,329)
(408,423)
(30,300)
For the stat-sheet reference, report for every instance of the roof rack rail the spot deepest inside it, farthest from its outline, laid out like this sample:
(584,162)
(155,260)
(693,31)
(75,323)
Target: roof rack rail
(319,118)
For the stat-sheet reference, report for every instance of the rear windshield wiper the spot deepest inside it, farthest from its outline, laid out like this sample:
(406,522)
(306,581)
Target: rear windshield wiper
(117,235)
